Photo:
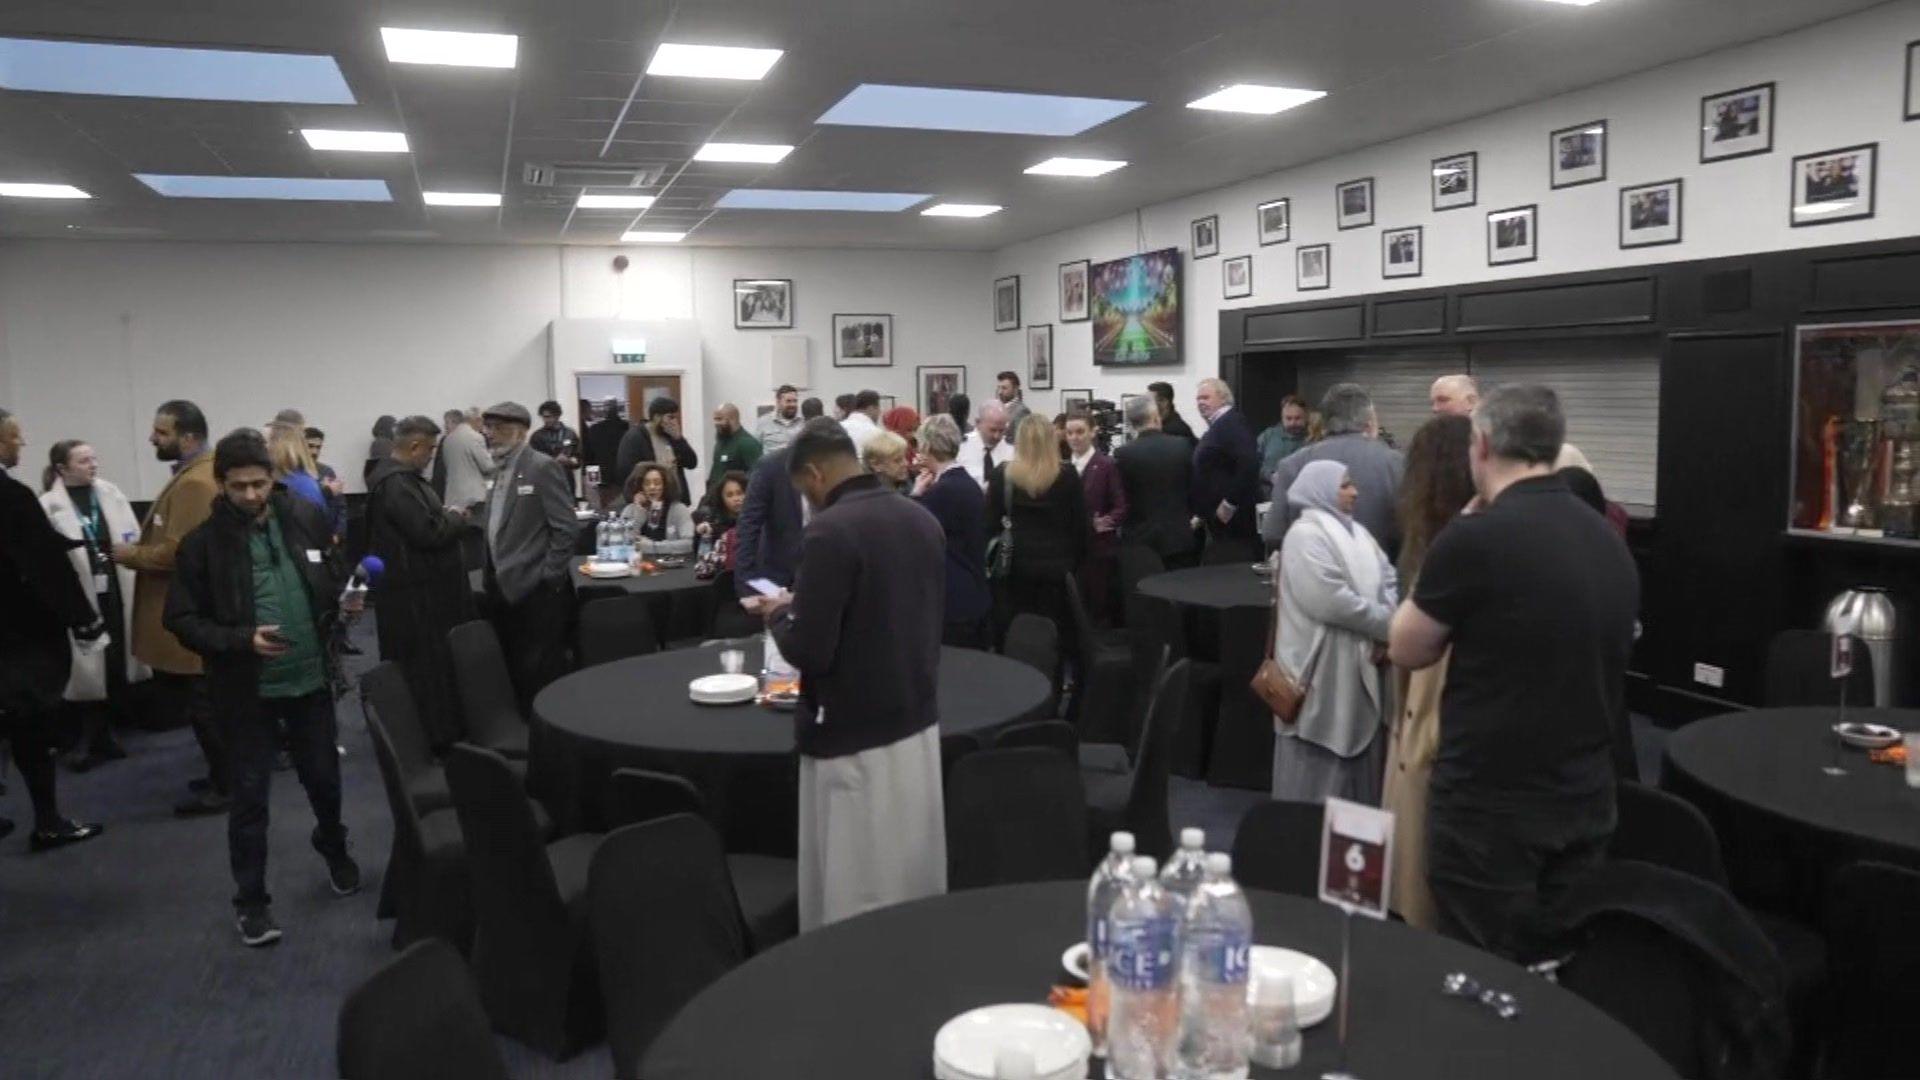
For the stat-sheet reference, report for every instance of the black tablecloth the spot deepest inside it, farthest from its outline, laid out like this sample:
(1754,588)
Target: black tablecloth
(864,998)
(1239,744)
(636,713)
(1770,762)
(678,579)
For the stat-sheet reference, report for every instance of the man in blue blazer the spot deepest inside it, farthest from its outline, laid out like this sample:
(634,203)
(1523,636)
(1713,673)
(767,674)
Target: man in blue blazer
(766,541)
(1226,476)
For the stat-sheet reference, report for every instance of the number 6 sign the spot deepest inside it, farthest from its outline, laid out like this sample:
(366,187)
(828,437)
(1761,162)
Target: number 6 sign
(1356,847)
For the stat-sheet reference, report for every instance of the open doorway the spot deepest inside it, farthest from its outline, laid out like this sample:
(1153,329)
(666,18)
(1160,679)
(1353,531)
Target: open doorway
(600,396)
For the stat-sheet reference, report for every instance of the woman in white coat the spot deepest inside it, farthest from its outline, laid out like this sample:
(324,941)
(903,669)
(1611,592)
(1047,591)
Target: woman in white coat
(93,512)
(1337,596)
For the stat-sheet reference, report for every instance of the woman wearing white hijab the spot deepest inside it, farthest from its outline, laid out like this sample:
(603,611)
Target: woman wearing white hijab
(1337,596)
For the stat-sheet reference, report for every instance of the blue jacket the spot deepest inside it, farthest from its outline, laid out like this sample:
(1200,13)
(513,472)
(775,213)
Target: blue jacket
(955,502)
(766,542)
(1226,468)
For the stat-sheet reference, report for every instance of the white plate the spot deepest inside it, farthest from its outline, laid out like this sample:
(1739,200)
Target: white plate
(1313,982)
(607,570)
(723,689)
(1074,960)
(1866,736)
(964,1049)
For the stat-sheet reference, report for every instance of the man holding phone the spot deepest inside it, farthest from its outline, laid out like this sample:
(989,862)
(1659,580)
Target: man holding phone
(255,590)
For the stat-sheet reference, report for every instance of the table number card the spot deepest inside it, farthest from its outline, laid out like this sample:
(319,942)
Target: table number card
(1356,857)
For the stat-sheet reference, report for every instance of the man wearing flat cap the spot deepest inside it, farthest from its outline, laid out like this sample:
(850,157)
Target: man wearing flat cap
(530,529)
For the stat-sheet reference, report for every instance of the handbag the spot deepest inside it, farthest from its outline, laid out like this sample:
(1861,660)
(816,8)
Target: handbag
(1000,548)
(1280,692)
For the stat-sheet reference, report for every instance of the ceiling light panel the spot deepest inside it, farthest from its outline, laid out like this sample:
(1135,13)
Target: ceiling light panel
(961,210)
(877,202)
(998,112)
(450,48)
(1574,3)
(298,188)
(460,198)
(614,202)
(366,142)
(42,191)
(746,153)
(712,62)
(644,236)
(1252,98)
(82,67)
(1072,166)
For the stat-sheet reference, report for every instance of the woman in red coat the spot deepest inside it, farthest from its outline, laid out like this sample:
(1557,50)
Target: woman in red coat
(1107,503)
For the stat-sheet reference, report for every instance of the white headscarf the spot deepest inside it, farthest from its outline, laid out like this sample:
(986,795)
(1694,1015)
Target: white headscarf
(1318,488)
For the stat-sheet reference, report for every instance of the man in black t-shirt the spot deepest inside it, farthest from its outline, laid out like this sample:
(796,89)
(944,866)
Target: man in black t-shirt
(1536,597)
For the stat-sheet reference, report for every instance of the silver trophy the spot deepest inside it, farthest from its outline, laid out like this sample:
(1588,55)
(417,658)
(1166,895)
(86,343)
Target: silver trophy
(1900,428)
(1859,453)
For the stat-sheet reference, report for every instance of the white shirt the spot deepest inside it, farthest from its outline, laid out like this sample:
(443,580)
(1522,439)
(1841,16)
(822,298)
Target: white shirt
(860,427)
(975,458)
(1080,461)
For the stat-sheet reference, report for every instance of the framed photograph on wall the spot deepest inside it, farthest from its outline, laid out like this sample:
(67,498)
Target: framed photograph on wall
(763,304)
(1236,277)
(1006,303)
(1913,84)
(1313,267)
(1834,185)
(1403,252)
(1513,235)
(1040,357)
(1274,220)
(1206,236)
(1736,124)
(1353,203)
(863,341)
(1073,291)
(938,385)
(1071,400)
(887,403)
(1578,155)
(1650,214)
(1456,181)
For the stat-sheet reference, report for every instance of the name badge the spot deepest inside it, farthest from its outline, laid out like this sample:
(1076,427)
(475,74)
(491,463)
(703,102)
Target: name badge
(99,584)
(158,521)
(313,555)
(523,489)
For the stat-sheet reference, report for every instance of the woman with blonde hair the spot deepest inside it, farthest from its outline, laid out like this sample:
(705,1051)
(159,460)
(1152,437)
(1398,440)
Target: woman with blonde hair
(1038,528)
(885,456)
(293,464)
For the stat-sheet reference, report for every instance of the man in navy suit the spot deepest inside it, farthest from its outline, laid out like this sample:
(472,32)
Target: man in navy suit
(766,541)
(1226,476)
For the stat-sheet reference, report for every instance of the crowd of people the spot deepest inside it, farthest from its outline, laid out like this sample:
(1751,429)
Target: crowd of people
(1459,613)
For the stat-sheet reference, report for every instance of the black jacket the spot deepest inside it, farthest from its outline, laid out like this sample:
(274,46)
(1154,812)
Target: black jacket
(766,542)
(424,591)
(1176,425)
(1226,468)
(1156,468)
(864,628)
(1051,533)
(601,446)
(40,599)
(210,600)
(636,446)
(955,502)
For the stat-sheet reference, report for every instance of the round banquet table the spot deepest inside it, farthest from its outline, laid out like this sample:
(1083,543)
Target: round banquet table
(1761,772)
(863,998)
(1238,747)
(635,713)
(679,603)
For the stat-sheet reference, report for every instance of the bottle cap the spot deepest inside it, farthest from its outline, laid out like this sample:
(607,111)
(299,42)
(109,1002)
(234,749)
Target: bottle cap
(1192,838)
(1219,864)
(1122,842)
(1144,867)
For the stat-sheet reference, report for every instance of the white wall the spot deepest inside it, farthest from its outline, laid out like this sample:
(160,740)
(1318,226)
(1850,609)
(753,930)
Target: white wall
(1839,84)
(94,335)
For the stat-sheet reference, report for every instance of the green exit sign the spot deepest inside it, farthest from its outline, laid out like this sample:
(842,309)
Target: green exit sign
(629,351)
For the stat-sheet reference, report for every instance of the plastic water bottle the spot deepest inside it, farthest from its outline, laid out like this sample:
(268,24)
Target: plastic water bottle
(1143,967)
(623,540)
(603,542)
(1216,947)
(1187,868)
(1109,878)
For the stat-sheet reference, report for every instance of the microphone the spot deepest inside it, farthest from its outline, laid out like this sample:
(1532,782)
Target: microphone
(366,574)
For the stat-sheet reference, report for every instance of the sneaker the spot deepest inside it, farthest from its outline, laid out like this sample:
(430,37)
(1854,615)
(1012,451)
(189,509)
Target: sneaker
(201,804)
(343,874)
(67,832)
(257,928)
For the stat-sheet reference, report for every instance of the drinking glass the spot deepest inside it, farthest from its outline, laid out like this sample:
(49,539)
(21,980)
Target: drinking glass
(1912,742)
(733,660)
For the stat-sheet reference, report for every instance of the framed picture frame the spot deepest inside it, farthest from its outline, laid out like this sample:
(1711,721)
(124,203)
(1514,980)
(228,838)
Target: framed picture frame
(1834,185)
(1736,123)
(1456,181)
(1236,277)
(1075,399)
(862,341)
(1040,356)
(1353,203)
(763,303)
(887,403)
(1403,252)
(1578,155)
(1650,214)
(937,384)
(1006,303)
(1313,267)
(1205,235)
(1125,400)
(1913,85)
(1073,291)
(1513,235)
(1273,221)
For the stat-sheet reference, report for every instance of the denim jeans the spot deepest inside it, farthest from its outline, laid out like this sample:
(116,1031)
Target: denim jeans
(253,740)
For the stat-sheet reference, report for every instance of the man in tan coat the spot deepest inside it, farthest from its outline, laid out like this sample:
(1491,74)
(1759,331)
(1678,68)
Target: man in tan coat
(179,436)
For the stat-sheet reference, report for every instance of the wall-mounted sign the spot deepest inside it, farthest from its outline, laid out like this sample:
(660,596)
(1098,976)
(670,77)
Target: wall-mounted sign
(629,350)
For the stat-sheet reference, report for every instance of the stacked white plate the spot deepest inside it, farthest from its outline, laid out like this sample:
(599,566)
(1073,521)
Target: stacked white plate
(723,689)
(1866,736)
(1056,1043)
(607,569)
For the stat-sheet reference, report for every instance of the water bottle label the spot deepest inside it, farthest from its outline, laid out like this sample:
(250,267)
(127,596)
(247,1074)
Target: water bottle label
(1140,953)
(1221,955)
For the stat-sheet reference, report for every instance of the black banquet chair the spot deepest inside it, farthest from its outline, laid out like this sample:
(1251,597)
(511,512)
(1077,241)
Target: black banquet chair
(1277,848)
(1799,671)
(1034,640)
(660,901)
(1870,909)
(417,1018)
(426,888)
(490,711)
(531,952)
(1100,708)
(1014,816)
(386,692)
(1135,798)
(616,628)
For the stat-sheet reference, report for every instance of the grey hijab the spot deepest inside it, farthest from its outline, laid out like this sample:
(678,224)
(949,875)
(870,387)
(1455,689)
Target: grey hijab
(1318,488)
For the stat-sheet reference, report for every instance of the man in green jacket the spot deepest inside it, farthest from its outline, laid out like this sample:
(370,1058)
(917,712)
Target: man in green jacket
(733,449)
